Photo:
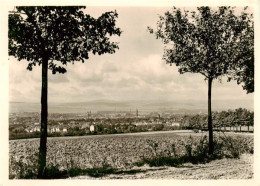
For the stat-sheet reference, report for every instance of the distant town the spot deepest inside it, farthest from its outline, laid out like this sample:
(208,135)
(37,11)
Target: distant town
(27,124)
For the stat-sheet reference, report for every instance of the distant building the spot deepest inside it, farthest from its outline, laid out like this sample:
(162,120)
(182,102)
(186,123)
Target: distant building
(175,124)
(140,123)
(36,129)
(57,129)
(32,129)
(84,126)
(91,128)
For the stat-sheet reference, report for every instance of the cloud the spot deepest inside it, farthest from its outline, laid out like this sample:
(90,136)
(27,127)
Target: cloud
(58,78)
(135,72)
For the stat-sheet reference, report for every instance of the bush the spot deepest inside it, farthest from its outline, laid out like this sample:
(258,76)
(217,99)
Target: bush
(197,151)
(159,161)
(233,147)
(22,169)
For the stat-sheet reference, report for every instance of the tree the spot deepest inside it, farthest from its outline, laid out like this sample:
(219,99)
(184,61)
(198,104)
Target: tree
(209,41)
(244,69)
(53,37)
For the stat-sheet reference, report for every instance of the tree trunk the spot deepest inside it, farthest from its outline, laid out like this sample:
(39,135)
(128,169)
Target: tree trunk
(211,145)
(44,116)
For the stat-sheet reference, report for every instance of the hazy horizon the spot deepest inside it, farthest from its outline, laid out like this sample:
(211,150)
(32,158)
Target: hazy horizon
(132,105)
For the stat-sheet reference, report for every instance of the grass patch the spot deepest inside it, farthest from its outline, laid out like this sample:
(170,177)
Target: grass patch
(53,172)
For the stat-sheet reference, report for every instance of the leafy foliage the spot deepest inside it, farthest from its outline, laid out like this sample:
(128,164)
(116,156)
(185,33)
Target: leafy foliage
(211,42)
(64,34)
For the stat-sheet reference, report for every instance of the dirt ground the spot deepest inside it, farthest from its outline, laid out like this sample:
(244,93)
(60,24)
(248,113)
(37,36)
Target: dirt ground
(218,169)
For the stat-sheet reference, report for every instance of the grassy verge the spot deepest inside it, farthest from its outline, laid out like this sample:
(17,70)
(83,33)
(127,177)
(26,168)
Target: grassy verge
(54,173)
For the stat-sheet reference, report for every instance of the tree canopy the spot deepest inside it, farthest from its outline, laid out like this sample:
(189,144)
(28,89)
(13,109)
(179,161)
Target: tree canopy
(64,34)
(212,42)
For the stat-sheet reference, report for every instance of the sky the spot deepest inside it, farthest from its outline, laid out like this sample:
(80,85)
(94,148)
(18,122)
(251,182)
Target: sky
(135,72)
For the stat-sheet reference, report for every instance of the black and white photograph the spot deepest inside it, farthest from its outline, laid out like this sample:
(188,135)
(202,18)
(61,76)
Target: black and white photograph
(123,92)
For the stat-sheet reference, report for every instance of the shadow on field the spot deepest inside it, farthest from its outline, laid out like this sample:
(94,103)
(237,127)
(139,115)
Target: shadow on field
(55,173)
(132,171)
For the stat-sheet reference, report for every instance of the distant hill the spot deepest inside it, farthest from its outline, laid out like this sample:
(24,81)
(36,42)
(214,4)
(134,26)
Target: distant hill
(132,105)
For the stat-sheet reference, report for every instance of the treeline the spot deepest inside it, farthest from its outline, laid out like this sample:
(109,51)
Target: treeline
(223,119)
